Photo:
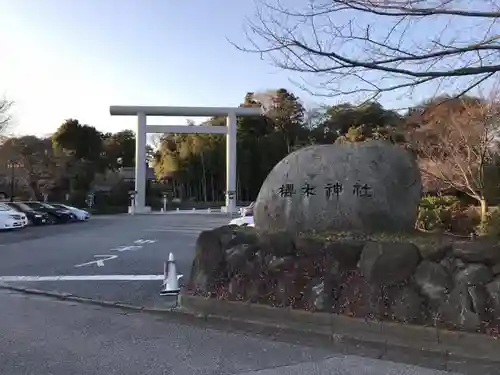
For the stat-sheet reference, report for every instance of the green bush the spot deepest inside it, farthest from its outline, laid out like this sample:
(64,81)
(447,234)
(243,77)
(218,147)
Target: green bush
(447,214)
(435,212)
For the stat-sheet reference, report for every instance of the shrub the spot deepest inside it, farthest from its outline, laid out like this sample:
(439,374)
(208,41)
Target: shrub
(435,212)
(446,213)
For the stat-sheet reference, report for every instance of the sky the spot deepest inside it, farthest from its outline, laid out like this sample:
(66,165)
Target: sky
(73,59)
(63,59)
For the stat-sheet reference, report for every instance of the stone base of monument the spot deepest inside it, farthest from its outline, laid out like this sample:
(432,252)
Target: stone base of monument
(414,278)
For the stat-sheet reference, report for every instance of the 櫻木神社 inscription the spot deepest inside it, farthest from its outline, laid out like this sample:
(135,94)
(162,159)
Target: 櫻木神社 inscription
(331,190)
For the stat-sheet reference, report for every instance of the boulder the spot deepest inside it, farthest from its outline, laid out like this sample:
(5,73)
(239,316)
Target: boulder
(435,251)
(465,307)
(345,252)
(317,297)
(493,289)
(359,298)
(408,306)
(433,281)
(369,186)
(279,244)
(386,263)
(309,246)
(480,251)
(496,269)
(209,268)
(452,264)
(238,257)
(474,274)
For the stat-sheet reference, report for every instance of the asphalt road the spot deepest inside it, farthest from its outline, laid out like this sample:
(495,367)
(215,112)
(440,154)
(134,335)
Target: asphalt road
(127,245)
(45,336)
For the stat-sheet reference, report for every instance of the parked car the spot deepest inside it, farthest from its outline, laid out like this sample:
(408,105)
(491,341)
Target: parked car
(10,219)
(247,211)
(246,217)
(243,220)
(80,214)
(58,215)
(34,217)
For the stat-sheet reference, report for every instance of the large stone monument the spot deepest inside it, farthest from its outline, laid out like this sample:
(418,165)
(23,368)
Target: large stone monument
(370,186)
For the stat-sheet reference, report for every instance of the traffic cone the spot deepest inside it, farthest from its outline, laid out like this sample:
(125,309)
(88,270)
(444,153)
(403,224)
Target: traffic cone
(170,278)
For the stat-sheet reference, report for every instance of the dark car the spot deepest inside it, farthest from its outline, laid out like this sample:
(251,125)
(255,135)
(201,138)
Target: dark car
(35,217)
(58,215)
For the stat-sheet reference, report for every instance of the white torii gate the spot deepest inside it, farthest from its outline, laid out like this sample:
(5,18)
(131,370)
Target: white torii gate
(142,129)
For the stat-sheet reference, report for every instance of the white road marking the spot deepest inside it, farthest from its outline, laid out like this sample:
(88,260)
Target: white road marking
(98,262)
(83,278)
(143,242)
(178,230)
(127,248)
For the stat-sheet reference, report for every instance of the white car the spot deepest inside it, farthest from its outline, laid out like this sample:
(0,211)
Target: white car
(246,217)
(247,211)
(11,219)
(81,215)
(243,220)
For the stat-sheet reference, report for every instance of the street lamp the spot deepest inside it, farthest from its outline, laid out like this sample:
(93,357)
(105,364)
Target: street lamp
(13,165)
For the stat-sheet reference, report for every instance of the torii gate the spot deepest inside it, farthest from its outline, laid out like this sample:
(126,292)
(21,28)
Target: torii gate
(142,129)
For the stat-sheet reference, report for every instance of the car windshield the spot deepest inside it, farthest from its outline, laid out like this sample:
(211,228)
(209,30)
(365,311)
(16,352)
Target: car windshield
(22,206)
(46,205)
(4,208)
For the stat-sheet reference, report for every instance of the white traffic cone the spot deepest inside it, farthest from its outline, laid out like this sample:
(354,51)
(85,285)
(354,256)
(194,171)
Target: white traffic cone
(170,278)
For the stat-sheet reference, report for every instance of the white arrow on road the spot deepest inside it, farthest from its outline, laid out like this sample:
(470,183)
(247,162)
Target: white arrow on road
(98,262)
(142,242)
(127,248)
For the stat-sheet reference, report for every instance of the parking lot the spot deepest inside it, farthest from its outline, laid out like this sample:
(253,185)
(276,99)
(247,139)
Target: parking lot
(87,259)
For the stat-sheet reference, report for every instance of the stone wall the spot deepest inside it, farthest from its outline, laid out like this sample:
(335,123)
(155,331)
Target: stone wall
(418,279)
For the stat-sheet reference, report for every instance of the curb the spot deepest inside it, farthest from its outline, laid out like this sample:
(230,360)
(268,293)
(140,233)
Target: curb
(71,297)
(422,346)
(339,328)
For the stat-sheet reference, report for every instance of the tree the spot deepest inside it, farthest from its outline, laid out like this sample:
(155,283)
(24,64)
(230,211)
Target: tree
(287,115)
(5,118)
(38,171)
(369,47)
(120,149)
(369,117)
(80,149)
(458,146)
(81,141)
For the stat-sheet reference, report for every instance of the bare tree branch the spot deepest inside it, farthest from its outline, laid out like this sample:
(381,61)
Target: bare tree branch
(458,145)
(5,117)
(371,47)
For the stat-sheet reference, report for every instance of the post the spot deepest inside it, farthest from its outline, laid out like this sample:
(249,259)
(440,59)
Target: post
(140,163)
(231,163)
(12,177)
